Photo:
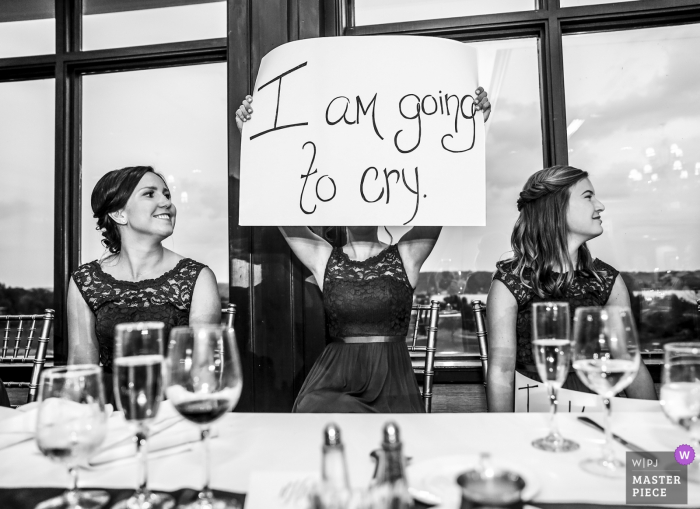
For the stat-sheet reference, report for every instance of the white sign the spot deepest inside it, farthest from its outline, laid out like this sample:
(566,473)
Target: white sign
(364,131)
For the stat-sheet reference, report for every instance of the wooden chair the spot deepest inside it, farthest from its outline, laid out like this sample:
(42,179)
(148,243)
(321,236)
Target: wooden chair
(228,315)
(17,329)
(433,314)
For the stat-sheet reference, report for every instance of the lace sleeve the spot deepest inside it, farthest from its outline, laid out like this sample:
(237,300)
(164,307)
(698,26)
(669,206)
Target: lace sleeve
(512,282)
(608,275)
(88,285)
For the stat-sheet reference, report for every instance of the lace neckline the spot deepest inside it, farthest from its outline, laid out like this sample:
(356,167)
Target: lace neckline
(366,260)
(152,281)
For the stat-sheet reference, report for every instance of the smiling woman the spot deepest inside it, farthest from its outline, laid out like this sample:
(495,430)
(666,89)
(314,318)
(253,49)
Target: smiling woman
(138,279)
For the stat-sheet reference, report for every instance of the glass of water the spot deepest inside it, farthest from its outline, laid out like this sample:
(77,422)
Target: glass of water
(551,349)
(606,359)
(680,393)
(138,390)
(71,425)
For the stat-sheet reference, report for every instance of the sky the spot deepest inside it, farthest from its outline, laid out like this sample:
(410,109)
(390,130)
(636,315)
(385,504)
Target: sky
(633,110)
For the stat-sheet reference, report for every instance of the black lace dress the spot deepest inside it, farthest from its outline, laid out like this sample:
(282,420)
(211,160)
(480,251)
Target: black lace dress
(585,290)
(164,299)
(364,298)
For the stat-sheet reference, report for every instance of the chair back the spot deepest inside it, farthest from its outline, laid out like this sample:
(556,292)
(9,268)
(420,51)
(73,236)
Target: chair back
(432,311)
(228,315)
(479,310)
(17,329)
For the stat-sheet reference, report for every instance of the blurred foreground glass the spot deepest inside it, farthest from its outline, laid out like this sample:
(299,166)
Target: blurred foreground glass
(606,358)
(173,119)
(138,390)
(27,27)
(376,12)
(71,425)
(111,25)
(204,382)
(551,349)
(634,125)
(680,393)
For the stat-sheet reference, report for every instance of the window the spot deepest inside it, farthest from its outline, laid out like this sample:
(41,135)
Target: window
(27,204)
(634,125)
(127,23)
(27,27)
(374,12)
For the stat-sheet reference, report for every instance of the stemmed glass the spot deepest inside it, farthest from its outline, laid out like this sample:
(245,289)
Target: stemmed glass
(680,393)
(551,348)
(606,358)
(138,390)
(71,425)
(204,382)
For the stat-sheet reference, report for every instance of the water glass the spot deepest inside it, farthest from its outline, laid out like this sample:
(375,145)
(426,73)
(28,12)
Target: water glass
(138,390)
(71,425)
(204,382)
(680,393)
(551,349)
(606,359)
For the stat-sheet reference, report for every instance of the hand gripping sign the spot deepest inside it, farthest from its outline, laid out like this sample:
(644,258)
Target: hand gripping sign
(361,131)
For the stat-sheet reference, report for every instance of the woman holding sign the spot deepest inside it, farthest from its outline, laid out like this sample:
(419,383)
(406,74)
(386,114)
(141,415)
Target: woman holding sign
(559,213)
(367,290)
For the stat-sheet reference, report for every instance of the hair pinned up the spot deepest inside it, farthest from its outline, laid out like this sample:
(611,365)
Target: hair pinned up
(110,194)
(539,238)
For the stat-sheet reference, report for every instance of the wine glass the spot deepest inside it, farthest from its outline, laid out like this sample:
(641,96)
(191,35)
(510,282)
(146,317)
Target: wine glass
(606,358)
(551,348)
(71,425)
(138,390)
(204,382)
(680,393)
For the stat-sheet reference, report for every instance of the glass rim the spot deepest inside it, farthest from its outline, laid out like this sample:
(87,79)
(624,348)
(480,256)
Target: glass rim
(691,347)
(133,326)
(71,370)
(583,309)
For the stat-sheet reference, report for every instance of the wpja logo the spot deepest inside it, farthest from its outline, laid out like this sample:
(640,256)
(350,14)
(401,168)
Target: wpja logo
(658,477)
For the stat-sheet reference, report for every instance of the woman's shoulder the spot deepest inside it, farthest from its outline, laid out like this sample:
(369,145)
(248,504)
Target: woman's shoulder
(604,269)
(87,273)
(508,274)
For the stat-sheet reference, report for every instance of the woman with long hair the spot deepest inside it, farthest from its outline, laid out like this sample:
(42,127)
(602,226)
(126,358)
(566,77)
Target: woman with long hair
(138,279)
(367,288)
(559,213)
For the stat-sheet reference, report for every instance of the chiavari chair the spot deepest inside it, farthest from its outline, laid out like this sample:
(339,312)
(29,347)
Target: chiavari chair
(427,315)
(19,333)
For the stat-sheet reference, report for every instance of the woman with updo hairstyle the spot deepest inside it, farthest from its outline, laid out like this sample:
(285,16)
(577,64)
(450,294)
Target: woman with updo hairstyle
(137,279)
(559,213)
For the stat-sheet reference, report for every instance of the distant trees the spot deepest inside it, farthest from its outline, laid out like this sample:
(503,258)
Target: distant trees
(16,300)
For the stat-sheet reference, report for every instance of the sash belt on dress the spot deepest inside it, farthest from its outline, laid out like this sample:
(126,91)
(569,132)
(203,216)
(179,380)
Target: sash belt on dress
(371,339)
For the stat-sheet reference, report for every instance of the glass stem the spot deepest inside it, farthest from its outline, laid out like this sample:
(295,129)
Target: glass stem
(142,453)
(72,493)
(553,430)
(608,455)
(206,493)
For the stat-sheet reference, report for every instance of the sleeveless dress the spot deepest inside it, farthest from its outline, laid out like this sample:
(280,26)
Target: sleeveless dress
(164,299)
(585,290)
(365,298)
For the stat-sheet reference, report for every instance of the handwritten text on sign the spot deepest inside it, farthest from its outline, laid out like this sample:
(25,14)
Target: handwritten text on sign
(364,131)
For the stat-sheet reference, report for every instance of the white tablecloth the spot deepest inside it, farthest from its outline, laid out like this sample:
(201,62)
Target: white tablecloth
(292,442)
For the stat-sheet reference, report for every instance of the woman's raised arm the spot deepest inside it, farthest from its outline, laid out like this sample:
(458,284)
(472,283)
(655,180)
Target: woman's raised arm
(312,250)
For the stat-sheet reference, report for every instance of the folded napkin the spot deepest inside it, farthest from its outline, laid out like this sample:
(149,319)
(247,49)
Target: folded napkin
(22,427)
(168,431)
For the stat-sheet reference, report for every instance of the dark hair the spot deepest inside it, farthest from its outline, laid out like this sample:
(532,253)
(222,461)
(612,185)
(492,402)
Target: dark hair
(110,194)
(539,238)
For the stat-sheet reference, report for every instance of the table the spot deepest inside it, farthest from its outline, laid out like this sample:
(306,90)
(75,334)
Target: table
(267,441)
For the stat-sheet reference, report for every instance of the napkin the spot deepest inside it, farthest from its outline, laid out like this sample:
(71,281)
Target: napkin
(168,431)
(22,427)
